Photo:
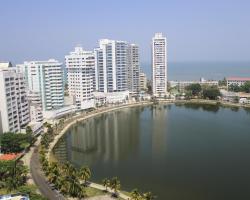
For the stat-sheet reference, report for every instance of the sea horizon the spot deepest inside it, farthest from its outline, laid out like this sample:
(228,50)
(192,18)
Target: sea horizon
(194,70)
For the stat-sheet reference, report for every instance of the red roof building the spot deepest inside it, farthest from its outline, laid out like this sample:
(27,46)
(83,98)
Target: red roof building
(10,156)
(238,79)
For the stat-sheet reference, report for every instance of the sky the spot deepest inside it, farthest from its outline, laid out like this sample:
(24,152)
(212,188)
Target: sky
(196,30)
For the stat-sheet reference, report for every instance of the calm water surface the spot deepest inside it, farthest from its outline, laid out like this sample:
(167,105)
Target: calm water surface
(179,152)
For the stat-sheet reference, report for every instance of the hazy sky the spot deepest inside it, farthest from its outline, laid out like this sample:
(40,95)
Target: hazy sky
(197,30)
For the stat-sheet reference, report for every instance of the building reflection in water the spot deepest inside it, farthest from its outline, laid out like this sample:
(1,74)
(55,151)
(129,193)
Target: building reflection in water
(159,120)
(109,138)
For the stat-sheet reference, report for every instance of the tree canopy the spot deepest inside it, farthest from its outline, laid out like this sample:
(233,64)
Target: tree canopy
(194,88)
(14,142)
(243,88)
(211,92)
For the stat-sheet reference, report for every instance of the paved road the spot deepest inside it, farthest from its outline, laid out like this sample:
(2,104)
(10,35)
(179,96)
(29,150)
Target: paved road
(39,178)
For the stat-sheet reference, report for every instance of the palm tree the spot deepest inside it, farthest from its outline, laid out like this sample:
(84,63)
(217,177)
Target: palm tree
(45,167)
(84,174)
(74,186)
(53,175)
(11,183)
(68,169)
(149,196)
(60,182)
(81,193)
(135,195)
(106,183)
(29,130)
(65,186)
(61,123)
(115,185)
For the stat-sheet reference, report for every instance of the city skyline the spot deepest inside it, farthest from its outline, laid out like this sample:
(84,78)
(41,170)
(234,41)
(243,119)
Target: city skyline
(187,25)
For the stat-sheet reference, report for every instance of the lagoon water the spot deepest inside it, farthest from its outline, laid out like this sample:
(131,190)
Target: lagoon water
(179,152)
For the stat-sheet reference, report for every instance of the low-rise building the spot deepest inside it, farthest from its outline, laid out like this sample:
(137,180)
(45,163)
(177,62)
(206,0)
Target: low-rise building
(183,84)
(236,81)
(102,98)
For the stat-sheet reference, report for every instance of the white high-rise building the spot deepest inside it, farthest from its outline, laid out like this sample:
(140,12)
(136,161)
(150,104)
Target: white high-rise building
(111,68)
(80,66)
(159,65)
(14,110)
(46,79)
(133,69)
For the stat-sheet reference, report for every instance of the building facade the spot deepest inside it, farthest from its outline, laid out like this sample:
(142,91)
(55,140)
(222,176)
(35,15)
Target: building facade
(80,66)
(236,81)
(14,109)
(133,69)
(181,85)
(111,66)
(46,79)
(35,107)
(143,81)
(159,65)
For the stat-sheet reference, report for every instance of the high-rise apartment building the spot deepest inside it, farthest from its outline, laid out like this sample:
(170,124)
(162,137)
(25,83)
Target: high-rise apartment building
(133,69)
(80,66)
(14,110)
(159,65)
(111,66)
(46,79)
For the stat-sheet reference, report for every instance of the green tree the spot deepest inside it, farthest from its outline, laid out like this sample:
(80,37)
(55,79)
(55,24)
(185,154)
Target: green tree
(115,185)
(148,196)
(84,174)
(74,186)
(31,191)
(194,88)
(106,183)
(234,88)
(53,172)
(14,142)
(135,194)
(223,82)
(29,130)
(211,93)
(13,174)
(246,87)
(68,169)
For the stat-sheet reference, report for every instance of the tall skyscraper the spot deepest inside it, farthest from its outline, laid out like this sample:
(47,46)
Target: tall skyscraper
(159,65)
(46,79)
(111,68)
(133,69)
(80,66)
(14,110)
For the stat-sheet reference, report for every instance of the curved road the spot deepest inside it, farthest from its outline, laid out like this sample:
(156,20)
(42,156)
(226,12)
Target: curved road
(39,178)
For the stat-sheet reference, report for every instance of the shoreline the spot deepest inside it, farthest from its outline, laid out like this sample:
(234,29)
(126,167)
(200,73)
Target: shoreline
(97,112)
(92,114)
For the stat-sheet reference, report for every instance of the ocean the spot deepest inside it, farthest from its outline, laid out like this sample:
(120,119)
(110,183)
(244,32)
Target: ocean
(182,71)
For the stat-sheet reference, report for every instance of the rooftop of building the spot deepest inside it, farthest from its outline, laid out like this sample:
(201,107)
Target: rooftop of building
(238,78)
(5,64)
(10,156)
(159,36)
(43,62)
